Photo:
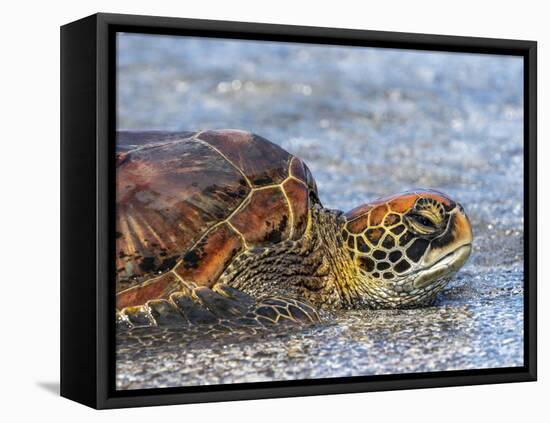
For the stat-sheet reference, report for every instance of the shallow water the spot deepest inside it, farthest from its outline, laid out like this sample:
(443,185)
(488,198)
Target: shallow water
(368,122)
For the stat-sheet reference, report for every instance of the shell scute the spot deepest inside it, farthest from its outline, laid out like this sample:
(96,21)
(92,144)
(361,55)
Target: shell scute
(298,170)
(160,287)
(206,260)
(298,198)
(167,196)
(263,162)
(265,218)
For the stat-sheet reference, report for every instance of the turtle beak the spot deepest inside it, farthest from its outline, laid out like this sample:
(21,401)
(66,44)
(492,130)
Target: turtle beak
(455,245)
(449,253)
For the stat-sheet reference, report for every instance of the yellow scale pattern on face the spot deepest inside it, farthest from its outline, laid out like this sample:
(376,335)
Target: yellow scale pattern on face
(380,249)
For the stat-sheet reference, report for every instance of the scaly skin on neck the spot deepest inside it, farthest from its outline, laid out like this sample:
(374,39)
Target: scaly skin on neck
(316,268)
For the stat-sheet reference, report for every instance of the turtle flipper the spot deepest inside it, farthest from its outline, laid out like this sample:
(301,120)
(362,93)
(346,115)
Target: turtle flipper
(276,310)
(193,311)
(165,313)
(136,316)
(228,303)
(180,309)
(221,304)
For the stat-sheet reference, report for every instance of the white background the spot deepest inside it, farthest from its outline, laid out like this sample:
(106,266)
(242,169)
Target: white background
(29,243)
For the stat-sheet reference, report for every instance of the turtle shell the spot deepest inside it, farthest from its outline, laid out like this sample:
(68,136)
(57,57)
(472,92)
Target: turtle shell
(189,203)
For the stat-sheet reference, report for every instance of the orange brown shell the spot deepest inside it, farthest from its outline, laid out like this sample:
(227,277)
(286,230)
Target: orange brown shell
(188,205)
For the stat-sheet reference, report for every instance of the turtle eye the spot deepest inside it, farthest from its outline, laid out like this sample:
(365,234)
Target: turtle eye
(427,217)
(422,223)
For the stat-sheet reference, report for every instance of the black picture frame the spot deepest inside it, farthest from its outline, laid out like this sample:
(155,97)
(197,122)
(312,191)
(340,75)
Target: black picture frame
(87,217)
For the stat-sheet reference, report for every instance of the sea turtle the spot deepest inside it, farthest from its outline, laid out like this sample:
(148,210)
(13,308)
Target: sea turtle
(224,224)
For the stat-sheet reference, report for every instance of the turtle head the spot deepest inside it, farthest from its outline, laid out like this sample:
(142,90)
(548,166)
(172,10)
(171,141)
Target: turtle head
(406,247)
